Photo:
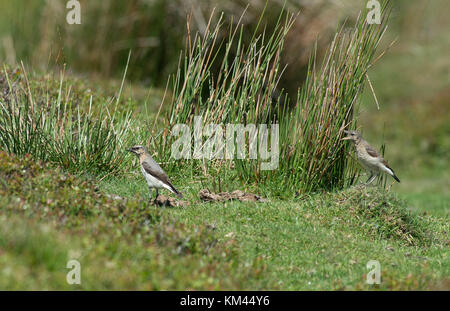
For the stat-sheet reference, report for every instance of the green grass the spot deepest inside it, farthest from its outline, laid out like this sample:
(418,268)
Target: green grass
(74,206)
(429,203)
(319,241)
(413,119)
(49,216)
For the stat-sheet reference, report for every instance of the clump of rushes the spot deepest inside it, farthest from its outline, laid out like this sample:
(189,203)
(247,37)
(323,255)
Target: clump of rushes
(311,133)
(59,127)
(245,91)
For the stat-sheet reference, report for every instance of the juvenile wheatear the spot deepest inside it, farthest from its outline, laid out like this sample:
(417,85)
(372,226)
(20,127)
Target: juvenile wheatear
(369,157)
(153,173)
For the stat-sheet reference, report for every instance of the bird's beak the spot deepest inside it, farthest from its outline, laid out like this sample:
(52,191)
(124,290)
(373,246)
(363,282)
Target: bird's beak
(130,150)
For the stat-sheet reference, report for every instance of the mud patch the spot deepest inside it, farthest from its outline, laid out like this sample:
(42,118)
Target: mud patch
(162,200)
(207,196)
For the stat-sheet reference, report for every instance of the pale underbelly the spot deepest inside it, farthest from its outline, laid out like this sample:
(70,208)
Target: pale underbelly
(152,181)
(372,164)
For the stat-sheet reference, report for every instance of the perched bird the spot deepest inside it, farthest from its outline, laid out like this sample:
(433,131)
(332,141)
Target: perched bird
(153,173)
(369,157)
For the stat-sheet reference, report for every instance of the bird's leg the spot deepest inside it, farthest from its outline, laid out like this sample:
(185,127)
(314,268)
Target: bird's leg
(380,180)
(367,181)
(157,194)
(371,178)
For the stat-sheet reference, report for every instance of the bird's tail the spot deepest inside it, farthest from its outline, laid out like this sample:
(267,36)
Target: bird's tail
(178,193)
(392,173)
(385,167)
(396,178)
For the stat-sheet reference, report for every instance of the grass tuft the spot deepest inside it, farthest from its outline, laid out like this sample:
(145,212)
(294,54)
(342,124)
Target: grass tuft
(383,215)
(54,126)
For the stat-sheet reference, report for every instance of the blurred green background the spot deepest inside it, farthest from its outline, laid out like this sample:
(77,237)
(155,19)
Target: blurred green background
(412,80)
(155,30)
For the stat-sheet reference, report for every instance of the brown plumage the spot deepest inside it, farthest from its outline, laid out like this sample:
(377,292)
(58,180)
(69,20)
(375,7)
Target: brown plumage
(369,157)
(159,174)
(153,173)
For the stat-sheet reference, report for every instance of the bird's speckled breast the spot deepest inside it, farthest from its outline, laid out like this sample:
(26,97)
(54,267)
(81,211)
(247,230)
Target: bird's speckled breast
(141,158)
(365,159)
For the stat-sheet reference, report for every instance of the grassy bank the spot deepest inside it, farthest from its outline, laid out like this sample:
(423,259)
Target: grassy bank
(320,241)
(69,190)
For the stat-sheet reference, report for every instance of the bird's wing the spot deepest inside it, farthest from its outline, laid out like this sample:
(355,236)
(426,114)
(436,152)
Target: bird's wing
(152,168)
(156,171)
(372,152)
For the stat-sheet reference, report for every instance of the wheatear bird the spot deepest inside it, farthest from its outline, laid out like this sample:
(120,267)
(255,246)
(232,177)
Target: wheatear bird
(369,157)
(153,173)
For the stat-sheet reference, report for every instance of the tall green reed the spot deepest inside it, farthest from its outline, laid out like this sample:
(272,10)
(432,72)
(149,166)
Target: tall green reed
(312,156)
(326,105)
